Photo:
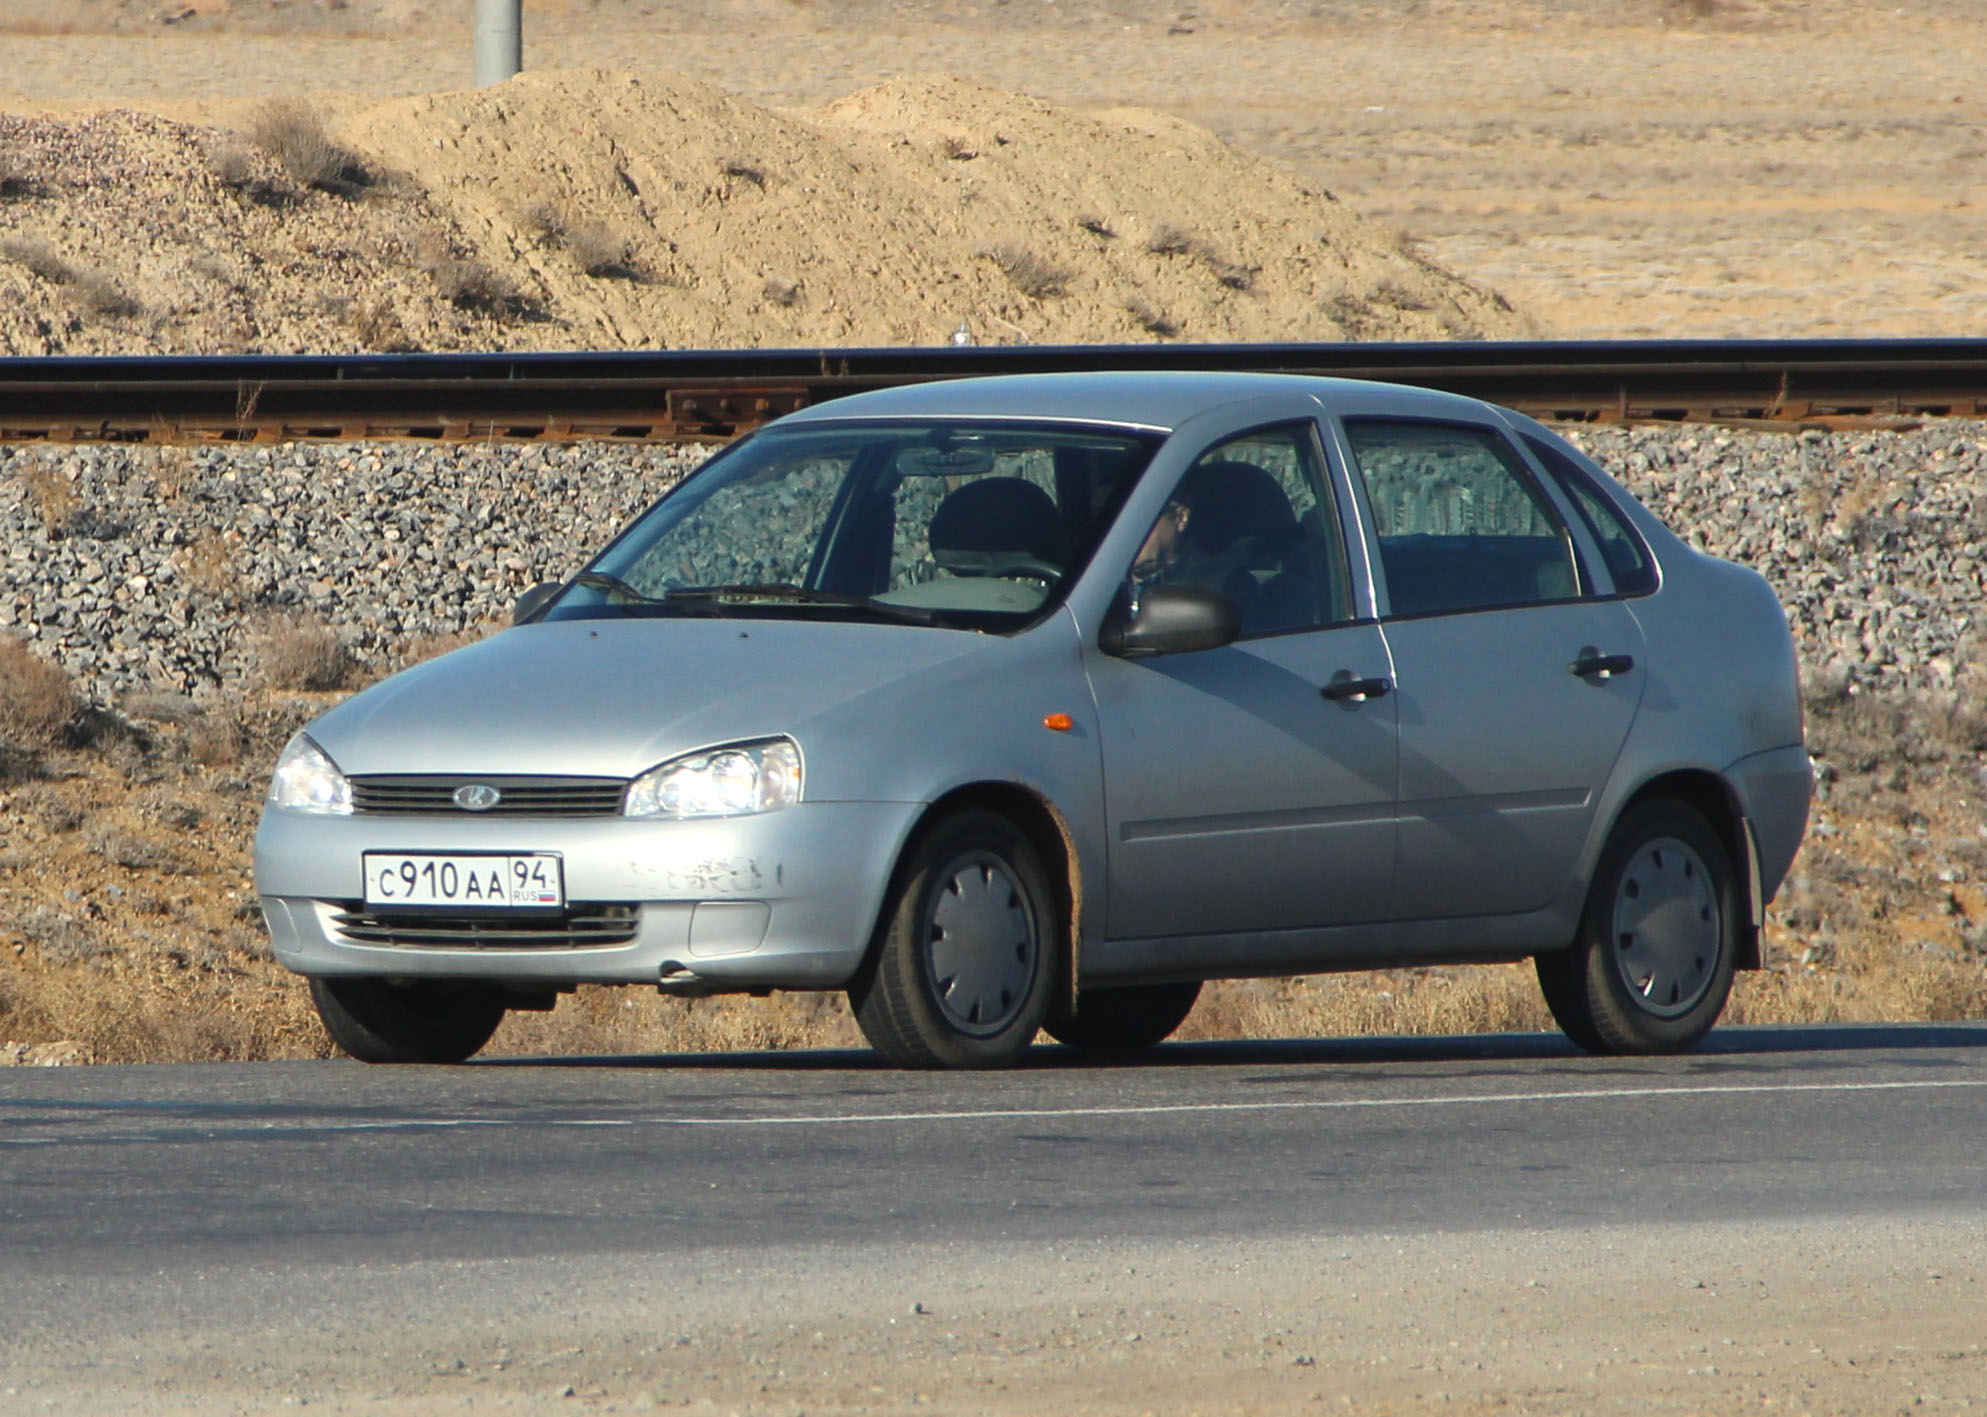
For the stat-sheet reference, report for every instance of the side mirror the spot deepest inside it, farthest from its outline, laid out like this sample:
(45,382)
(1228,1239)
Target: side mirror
(1172,619)
(534,600)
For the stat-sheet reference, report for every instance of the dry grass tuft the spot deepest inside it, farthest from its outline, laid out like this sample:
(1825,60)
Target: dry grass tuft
(1096,226)
(208,564)
(60,938)
(101,295)
(1393,294)
(596,248)
(37,701)
(423,648)
(1167,240)
(1029,273)
(53,498)
(376,325)
(744,171)
(1229,273)
(1152,321)
(1353,316)
(470,285)
(39,258)
(294,133)
(595,1021)
(297,652)
(16,182)
(782,292)
(97,289)
(548,220)
(602,252)
(236,166)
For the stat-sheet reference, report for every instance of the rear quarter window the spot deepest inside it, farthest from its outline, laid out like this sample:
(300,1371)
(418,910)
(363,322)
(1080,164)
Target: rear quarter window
(1629,563)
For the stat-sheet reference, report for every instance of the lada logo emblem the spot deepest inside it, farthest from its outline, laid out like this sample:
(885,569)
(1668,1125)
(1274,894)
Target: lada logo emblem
(477,797)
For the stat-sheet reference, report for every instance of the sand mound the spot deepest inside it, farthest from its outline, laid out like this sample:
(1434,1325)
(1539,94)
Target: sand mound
(590,210)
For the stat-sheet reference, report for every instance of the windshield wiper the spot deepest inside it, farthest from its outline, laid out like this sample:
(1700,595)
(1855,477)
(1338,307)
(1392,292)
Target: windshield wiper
(780,592)
(614,588)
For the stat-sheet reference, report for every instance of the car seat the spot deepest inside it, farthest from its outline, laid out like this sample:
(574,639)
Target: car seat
(1242,525)
(998,526)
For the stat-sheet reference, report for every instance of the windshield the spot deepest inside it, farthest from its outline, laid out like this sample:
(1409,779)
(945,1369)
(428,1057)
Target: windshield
(969,524)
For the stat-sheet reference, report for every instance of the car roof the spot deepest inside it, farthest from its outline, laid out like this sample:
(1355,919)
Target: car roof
(1161,400)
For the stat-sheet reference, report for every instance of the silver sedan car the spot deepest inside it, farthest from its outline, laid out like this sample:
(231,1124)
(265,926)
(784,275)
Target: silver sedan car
(1030,703)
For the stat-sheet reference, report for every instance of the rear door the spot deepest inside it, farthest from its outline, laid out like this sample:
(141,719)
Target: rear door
(1517,681)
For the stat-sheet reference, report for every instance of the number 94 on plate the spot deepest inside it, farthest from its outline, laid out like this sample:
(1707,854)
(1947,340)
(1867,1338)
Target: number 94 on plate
(482,880)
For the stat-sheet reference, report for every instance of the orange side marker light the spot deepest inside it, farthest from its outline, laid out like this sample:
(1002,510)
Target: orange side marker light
(1058,722)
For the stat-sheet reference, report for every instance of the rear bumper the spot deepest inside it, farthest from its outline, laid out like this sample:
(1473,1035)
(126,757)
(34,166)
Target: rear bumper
(1774,789)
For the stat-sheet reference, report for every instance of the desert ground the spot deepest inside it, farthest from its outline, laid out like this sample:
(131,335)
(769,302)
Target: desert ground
(1612,167)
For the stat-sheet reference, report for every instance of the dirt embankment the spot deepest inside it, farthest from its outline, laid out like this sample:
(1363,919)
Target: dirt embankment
(620,210)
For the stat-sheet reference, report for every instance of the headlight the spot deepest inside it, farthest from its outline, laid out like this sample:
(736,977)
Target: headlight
(308,781)
(725,782)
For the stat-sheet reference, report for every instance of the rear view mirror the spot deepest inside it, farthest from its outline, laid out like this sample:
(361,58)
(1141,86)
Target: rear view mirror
(1172,620)
(534,600)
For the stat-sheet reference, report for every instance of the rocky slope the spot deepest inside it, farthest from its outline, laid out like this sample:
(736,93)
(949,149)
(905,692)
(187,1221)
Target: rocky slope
(202,603)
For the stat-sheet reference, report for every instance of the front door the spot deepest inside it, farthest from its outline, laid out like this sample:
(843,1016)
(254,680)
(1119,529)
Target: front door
(1240,794)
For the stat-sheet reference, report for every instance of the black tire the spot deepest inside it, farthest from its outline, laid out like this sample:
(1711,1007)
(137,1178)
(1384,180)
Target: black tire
(379,1022)
(1125,1020)
(1652,966)
(968,951)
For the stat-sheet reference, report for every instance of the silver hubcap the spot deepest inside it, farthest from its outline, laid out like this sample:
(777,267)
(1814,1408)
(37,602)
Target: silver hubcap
(981,943)
(1667,932)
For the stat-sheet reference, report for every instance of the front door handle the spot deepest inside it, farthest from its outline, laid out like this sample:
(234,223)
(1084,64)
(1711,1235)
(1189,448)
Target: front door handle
(1592,664)
(1346,689)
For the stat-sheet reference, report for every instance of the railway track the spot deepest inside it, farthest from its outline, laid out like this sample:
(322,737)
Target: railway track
(713,395)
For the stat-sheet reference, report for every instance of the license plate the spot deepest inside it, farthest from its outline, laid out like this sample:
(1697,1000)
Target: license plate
(500,882)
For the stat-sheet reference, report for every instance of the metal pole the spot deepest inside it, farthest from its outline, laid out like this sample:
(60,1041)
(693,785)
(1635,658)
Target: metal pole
(499,40)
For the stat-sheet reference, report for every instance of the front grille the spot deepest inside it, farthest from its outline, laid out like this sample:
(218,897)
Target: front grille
(520,796)
(581,926)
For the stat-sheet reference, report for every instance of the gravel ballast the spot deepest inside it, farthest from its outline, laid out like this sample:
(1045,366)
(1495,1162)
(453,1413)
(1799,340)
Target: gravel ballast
(161,570)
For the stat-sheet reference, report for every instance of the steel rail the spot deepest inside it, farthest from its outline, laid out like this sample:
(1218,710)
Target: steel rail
(714,394)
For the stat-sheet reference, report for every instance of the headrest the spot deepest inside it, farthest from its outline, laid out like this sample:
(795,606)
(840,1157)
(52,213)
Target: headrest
(1232,502)
(996,524)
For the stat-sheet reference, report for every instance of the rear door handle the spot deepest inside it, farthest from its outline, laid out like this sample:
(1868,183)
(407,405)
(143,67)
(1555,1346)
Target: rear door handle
(1592,664)
(1346,689)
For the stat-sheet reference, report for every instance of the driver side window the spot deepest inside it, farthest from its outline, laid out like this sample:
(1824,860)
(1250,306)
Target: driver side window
(1252,519)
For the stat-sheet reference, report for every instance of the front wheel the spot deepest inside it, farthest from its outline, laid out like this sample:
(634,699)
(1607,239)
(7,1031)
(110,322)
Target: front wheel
(1652,965)
(431,1022)
(968,950)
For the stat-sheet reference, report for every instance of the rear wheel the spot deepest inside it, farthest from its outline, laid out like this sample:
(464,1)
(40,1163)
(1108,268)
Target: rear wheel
(376,1021)
(1126,1020)
(1652,966)
(968,952)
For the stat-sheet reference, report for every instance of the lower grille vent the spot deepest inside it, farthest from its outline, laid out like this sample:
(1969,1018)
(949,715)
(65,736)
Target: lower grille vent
(582,926)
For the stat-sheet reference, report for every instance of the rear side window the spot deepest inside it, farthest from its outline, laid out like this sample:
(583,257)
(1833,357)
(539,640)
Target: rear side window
(1460,523)
(1629,562)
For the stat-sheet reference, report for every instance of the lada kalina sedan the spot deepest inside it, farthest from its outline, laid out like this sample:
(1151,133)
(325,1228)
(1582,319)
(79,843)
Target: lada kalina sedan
(1030,703)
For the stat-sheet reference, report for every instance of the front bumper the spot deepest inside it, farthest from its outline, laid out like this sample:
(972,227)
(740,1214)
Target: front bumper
(783,900)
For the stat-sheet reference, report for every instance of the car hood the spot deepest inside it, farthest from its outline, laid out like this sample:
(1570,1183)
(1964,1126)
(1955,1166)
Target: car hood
(612,698)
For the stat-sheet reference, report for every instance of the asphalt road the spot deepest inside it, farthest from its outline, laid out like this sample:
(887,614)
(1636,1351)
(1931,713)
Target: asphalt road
(1224,1228)
(115,1168)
